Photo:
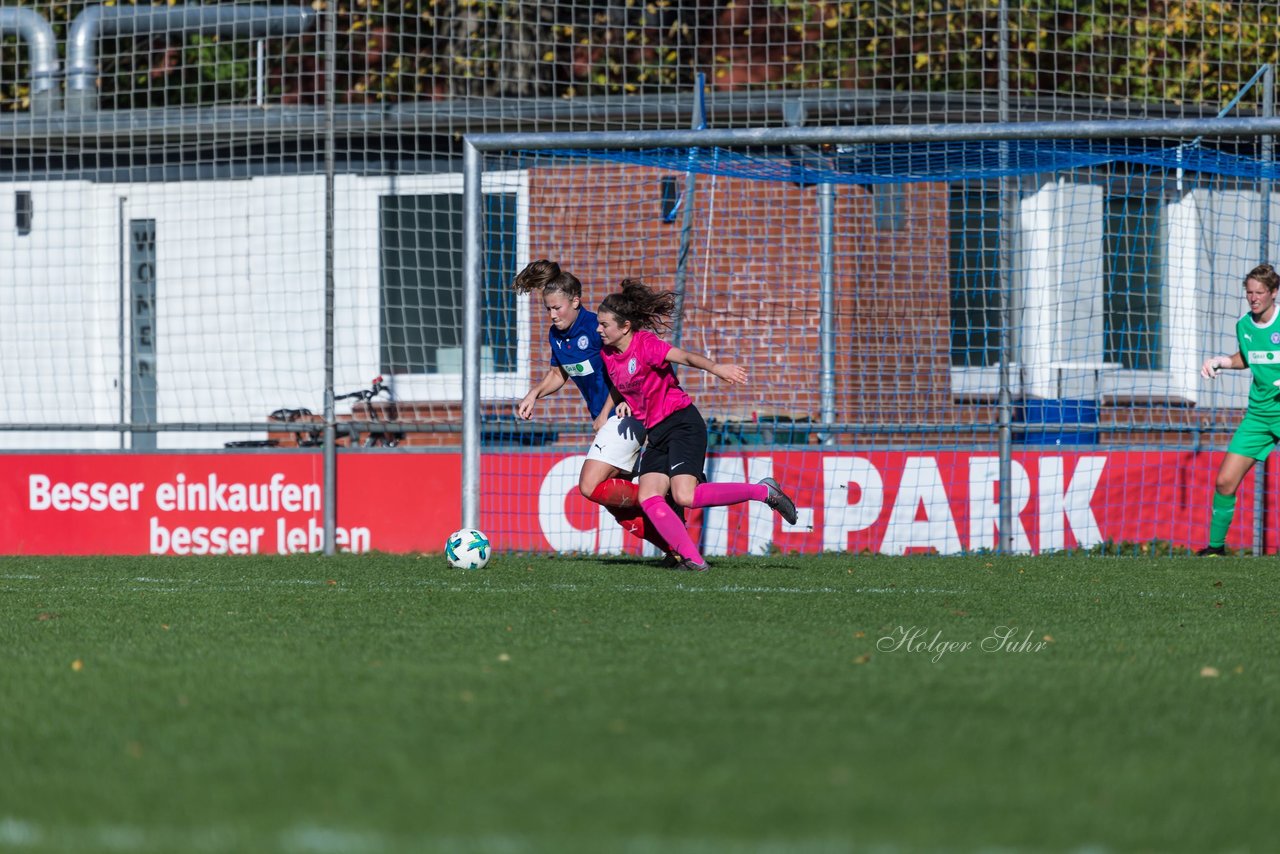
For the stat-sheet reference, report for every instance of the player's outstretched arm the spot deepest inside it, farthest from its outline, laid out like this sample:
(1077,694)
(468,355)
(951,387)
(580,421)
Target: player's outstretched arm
(616,404)
(735,374)
(550,384)
(1213,364)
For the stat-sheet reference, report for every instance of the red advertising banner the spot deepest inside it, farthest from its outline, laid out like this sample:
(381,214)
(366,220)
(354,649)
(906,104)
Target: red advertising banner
(224,503)
(887,502)
(895,502)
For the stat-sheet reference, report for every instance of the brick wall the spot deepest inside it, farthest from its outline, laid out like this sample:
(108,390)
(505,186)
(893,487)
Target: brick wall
(752,297)
(753,286)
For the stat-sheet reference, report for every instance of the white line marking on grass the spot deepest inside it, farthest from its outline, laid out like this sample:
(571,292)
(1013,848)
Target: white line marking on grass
(316,839)
(484,585)
(325,840)
(851,591)
(15,832)
(122,837)
(695,588)
(130,838)
(19,577)
(738,588)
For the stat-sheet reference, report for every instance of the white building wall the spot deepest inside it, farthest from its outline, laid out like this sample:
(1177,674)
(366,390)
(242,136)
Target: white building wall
(240,299)
(1059,272)
(1186,323)
(1210,240)
(59,301)
(240,281)
(239,308)
(1230,234)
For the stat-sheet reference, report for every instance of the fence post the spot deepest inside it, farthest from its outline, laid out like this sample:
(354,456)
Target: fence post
(1264,257)
(330,520)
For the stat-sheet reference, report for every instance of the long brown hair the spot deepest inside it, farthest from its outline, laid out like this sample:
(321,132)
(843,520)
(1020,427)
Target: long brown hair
(546,276)
(641,305)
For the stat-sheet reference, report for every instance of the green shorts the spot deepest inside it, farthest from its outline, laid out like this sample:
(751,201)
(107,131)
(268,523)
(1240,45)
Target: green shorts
(1255,437)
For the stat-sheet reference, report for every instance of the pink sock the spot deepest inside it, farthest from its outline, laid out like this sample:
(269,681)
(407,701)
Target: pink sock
(721,494)
(668,524)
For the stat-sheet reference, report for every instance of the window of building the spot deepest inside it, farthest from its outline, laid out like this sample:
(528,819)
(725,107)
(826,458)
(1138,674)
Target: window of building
(421,283)
(1133,322)
(974,271)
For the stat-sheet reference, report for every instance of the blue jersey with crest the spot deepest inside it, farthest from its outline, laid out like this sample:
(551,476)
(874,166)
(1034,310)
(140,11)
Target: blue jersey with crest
(577,351)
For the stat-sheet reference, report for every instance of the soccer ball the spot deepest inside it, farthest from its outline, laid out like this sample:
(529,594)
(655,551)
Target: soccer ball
(467,549)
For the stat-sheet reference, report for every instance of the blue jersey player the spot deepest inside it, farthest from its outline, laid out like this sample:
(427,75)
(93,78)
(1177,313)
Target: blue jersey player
(574,339)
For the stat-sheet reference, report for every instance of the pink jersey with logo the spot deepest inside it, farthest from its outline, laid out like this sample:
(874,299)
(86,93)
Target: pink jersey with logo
(644,377)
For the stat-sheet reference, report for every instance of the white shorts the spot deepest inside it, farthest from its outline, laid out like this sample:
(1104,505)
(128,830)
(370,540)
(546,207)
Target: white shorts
(618,443)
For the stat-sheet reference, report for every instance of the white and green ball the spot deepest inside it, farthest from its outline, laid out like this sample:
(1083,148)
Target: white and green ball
(468,549)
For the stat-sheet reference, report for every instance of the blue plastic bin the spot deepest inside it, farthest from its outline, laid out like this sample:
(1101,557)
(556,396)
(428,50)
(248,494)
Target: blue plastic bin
(1044,422)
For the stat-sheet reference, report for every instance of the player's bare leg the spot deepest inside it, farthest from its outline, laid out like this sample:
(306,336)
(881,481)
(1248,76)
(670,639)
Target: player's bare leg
(610,487)
(594,473)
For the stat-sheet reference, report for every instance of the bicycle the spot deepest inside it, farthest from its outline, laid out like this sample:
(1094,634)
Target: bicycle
(380,411)
(347,436)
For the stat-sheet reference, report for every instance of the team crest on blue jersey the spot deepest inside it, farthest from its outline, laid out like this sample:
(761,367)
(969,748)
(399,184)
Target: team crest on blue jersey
(631,365)
(582,342)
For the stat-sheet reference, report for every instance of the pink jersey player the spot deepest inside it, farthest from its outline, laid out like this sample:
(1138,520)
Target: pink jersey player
(574,340)
(644,377)
(639,365)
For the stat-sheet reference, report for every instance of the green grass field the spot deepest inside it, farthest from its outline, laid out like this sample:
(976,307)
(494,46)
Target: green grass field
(385,703)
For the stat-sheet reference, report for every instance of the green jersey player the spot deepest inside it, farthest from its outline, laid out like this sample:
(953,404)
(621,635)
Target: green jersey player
(1258,334)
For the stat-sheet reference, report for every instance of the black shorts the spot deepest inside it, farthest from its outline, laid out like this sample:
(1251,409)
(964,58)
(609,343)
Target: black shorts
(676,445)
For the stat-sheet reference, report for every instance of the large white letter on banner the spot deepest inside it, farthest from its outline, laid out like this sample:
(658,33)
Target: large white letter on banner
(559,482)
(839,517)
(728,469)
(921,483)
(984,504)
(1061,508)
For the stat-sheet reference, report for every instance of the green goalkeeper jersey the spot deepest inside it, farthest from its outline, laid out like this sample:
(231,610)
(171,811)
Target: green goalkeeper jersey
(1260,348)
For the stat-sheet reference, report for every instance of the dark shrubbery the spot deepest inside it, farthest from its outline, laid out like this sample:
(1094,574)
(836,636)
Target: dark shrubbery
(1185,51)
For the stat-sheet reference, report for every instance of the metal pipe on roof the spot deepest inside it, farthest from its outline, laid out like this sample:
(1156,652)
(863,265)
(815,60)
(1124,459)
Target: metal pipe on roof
(869,111)
(31,27)
(835,134)
(246,21)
